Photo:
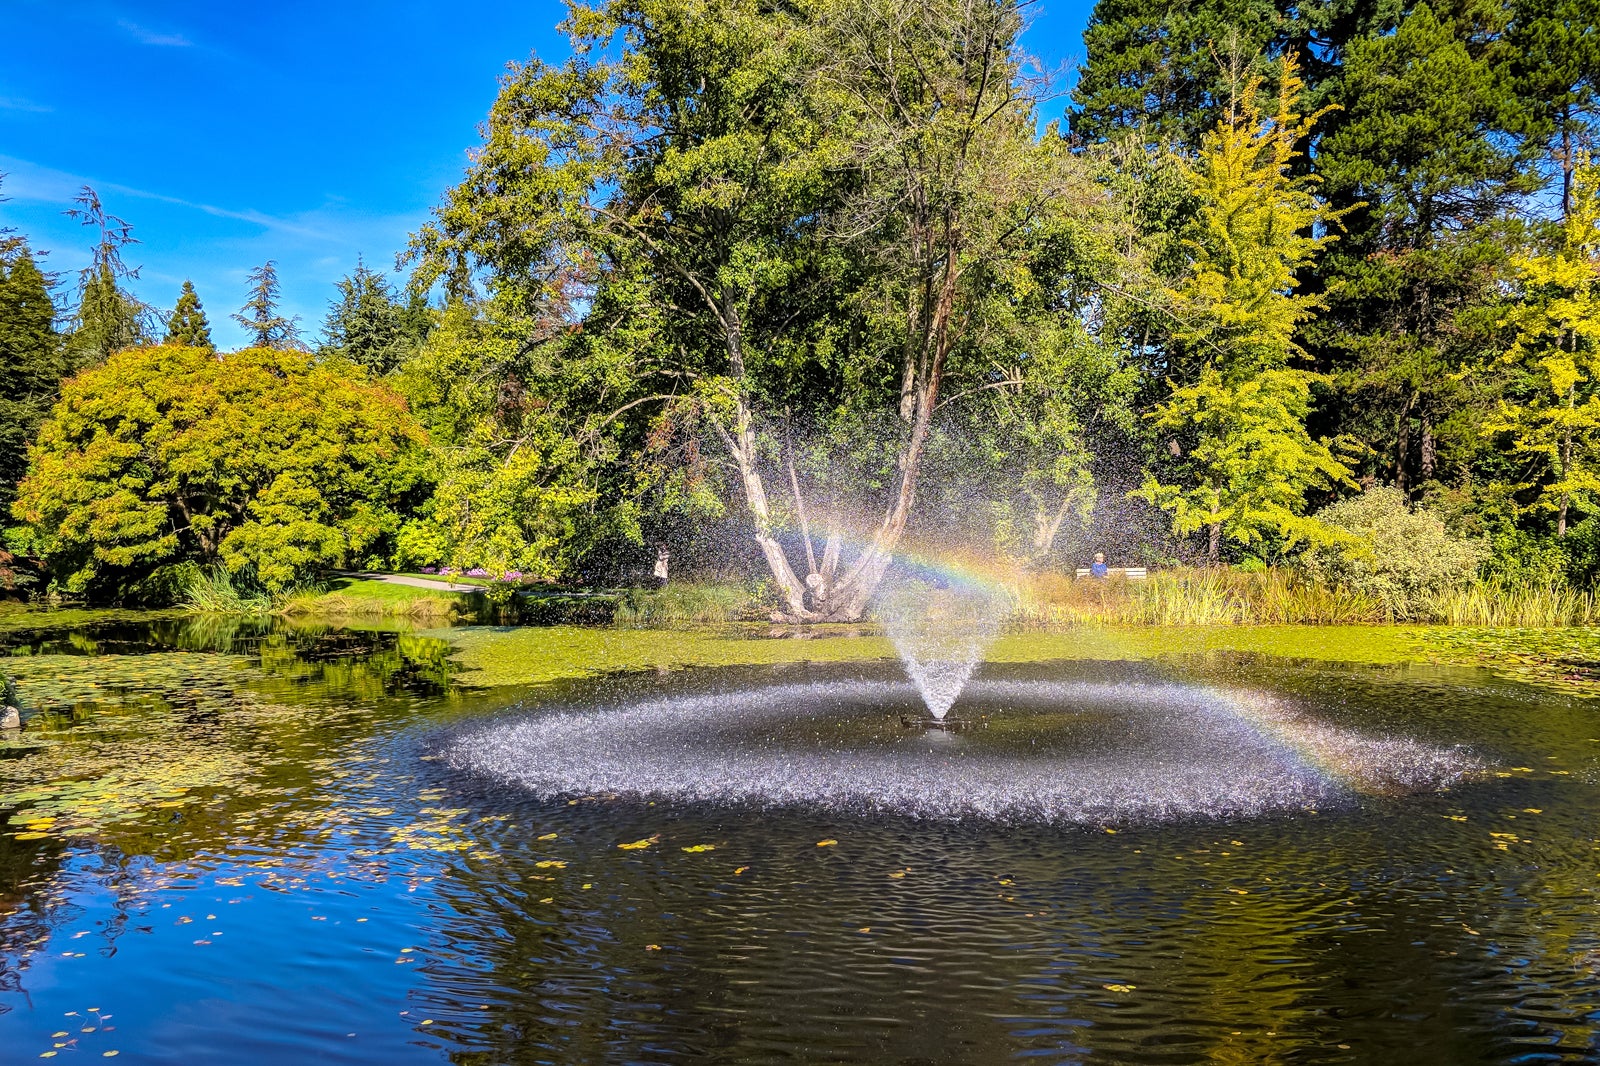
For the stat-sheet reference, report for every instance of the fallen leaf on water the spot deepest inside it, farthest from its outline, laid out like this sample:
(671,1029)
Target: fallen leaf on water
(555,864)
(1532,810)
(701,847)
(865,929)
(740,870)
(898,874)
(548,836)
(1119,988)
(638,844)
(652,947)
(830,842)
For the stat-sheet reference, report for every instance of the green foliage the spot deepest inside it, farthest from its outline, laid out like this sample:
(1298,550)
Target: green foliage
(1166,73)
(1400,556)
(109,317)
(1420,156)
(188,328)
(214,590)
(369,325)
(512,480)
(31,361)
(1246,460)
(259,315)
(690,604)
(264,459)
(1552,409)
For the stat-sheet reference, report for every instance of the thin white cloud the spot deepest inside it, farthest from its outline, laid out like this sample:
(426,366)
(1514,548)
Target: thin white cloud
(17,103)
(29,181)
(153,38)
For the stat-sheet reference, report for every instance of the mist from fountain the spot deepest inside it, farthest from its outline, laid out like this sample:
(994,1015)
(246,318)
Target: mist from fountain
(941,629)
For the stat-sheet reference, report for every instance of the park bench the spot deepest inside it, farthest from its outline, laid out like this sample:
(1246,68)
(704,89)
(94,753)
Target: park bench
(1130,573)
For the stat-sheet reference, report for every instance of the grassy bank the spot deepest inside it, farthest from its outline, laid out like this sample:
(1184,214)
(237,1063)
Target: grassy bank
(361,598)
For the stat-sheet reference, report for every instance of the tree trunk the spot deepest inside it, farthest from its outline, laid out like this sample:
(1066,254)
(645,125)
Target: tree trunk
(1402,451)
(1429,453)
(1566,459)
(1214,544)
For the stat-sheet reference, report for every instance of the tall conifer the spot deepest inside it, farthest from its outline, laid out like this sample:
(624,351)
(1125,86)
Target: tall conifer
(259,315)
(188,325)
(30,362)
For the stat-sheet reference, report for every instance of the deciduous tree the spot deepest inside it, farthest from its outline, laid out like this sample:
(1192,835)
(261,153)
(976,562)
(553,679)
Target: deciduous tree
(1552,406)
(268,461)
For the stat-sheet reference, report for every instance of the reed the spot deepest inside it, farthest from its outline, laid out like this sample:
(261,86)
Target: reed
(687,603)
(1516,607)
(1189,597)
(213,591)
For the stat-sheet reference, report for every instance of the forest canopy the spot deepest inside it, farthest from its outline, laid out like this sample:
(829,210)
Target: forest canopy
(789,291)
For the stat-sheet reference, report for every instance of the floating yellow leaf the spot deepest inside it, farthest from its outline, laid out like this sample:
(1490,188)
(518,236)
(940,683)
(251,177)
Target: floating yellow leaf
(1119,988)
(549,836)
(830,842)
(701,847)
(652,947)
(553,864)
(636,845)
(1532,810)
(740,870)
(1456,817)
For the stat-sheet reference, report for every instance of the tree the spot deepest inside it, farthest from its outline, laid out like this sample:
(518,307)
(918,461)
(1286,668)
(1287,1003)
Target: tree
(188,328)
(1552,57)
(269,461)
(109,317)
(1249,459)
(259,315)
(1552,410)
(367,324)
(1164,73)
(1420,161)
(513,477)
(31,360)
(793,215)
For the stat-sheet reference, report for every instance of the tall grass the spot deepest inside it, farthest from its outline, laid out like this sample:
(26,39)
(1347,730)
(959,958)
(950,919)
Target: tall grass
(1209,597)
(214,592)
(314,602)
(1516,607)
(687,603)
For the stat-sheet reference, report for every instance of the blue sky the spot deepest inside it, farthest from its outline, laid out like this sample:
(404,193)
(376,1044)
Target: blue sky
(230,134)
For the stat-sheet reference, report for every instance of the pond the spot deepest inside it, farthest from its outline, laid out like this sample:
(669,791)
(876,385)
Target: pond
(245,842)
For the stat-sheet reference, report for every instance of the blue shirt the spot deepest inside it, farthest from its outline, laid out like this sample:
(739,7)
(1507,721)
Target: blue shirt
(1099,569)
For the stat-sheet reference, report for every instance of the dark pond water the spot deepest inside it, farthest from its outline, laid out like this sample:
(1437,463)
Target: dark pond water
(233,844)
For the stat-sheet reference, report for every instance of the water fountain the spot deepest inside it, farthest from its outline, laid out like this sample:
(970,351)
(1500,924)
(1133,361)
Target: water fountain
(1073,749)
(940,627)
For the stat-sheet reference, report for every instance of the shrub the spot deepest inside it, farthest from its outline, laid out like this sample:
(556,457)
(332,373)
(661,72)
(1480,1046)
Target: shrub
(263,459)
(1399,556)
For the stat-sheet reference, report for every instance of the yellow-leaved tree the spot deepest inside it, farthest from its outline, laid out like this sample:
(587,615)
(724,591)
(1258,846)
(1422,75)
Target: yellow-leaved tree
(1553,408)
(1244,459)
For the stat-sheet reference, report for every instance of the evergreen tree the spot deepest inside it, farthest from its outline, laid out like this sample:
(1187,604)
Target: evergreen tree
(1551,52)
(1419,159)
(1164,72)
(367,324)
(259,315)
(30,361)
(109,317)
(188,325)
(1552,410)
